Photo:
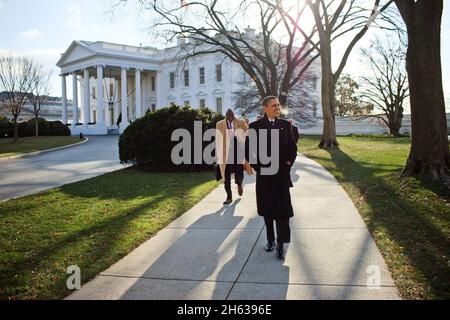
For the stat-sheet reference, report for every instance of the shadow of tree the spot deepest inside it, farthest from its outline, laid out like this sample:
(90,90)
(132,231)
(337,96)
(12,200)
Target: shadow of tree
(93,240)
(419,240)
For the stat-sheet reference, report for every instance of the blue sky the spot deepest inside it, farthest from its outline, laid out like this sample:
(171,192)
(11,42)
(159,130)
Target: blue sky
(45,28)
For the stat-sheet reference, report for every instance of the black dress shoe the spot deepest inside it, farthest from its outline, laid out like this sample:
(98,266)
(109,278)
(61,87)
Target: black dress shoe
(280,251)
(269,246)
(228,201)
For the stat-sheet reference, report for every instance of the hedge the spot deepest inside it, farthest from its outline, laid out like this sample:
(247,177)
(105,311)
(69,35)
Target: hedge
(146,143)
(27,128)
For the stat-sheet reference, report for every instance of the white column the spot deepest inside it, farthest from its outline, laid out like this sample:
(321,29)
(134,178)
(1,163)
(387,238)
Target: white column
(138,93)
(100,105)
(87,100)
(159,94)
(75,99)
(64,98)
(123,87)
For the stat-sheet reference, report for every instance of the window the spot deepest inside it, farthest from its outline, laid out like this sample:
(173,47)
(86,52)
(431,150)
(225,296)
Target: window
(111,89)
(172,80)
(202,103)
(218,72)
(153,81)
(94,116)
(314,110)
(202,75)
(186,78)
(172,104)
(94,93)
(219,105)
(187,103)
(153,107)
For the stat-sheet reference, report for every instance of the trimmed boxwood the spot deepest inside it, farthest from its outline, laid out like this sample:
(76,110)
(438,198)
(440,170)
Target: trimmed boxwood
(146,143)
(27,128)
(6,127)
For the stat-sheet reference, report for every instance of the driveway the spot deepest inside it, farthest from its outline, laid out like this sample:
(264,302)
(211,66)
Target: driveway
(24,176)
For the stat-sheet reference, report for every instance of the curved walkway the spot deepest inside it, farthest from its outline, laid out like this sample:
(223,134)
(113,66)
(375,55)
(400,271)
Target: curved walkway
(31,174)
(216,252)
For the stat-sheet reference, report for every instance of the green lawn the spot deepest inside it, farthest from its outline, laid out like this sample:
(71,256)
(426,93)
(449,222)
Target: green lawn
(409,219)
(91,224)
(29,144)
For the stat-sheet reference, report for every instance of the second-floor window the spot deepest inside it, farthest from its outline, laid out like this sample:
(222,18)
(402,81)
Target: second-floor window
(202,103)
(94,93)
(202,75)
(218,72)
(186,78)
(172,80)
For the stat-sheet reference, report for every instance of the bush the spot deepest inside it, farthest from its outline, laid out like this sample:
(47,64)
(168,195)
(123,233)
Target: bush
(44,128)
(6,127)
(146,143)
(27,128)
(371,135)
(57,128)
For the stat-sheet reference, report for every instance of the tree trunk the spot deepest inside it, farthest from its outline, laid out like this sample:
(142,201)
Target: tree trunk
(395,123)
(36,126)
(394,129)
(429,153)
(328,139)
(282,98)
(16,131)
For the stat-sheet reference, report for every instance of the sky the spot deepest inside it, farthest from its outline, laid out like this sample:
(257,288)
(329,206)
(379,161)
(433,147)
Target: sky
(44,29)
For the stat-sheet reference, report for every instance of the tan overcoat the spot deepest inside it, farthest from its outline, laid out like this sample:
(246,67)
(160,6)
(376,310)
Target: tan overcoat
(223,142)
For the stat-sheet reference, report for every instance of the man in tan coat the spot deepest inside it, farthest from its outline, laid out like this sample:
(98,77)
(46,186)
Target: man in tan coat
(230,149)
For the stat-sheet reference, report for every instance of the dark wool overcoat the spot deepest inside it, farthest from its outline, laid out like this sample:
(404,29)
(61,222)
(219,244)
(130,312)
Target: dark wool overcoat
(272,191)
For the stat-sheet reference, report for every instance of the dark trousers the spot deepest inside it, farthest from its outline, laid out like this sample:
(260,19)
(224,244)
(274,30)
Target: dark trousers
(283,230)
(238,170)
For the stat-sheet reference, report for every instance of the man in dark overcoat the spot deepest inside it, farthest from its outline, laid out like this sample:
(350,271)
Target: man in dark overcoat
(272,190)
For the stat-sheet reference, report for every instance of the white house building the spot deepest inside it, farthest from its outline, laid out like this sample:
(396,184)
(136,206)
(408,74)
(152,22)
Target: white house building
(112,81)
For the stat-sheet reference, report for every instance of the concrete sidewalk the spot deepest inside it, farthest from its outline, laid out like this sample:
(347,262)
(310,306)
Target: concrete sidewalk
(216,252)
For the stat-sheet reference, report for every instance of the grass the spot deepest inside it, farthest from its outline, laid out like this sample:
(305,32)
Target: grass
(409,219)
(30,144)
(91,224)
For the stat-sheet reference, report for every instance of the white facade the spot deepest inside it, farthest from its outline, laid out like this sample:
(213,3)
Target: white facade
(127,81)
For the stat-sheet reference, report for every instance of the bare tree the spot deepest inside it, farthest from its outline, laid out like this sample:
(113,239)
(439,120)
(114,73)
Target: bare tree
(333,20)
(429,153)
(209,26)
(17,77)
(297,104)
(387,87)
(40,93)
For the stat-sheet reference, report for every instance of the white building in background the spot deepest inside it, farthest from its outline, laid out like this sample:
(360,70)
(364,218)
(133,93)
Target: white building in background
(112,81)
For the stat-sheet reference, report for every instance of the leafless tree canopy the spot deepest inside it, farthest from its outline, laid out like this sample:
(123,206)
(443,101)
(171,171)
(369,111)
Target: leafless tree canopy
(335,19)
(275,55)
(387,86)
(17,80)
(40,93)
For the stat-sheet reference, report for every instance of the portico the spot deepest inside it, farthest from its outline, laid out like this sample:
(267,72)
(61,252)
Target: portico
(112,85)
